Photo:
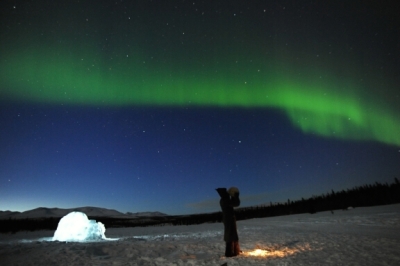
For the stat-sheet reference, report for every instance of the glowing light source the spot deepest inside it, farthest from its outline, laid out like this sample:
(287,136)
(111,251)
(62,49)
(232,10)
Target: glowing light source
(277,251)
(76,226)
(257,253)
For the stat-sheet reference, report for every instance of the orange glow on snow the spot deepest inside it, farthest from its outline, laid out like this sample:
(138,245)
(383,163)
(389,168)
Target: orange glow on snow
(257,253)
(276,252)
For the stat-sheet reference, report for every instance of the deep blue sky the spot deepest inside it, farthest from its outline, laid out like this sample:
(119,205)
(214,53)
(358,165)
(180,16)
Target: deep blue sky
(136,157)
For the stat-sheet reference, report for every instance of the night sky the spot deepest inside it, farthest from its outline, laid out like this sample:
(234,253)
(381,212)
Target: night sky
(151,105)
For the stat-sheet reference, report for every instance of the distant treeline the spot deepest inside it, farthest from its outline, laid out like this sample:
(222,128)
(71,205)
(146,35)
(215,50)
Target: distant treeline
(362,196)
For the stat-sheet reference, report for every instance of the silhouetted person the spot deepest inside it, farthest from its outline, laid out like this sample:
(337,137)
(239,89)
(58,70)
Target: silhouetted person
(230,199)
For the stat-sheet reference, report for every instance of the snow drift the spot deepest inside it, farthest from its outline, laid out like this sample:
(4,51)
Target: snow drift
(362,236)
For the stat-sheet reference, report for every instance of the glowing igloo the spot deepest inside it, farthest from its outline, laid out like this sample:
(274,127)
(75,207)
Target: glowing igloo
(76,226)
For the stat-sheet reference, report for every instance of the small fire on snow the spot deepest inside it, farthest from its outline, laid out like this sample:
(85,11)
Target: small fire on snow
(276,252)
(257,252)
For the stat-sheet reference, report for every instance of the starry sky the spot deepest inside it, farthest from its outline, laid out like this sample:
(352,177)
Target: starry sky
(151,105)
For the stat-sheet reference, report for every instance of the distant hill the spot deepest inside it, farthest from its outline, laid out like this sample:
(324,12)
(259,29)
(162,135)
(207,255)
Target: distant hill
(145,214)
(89,211)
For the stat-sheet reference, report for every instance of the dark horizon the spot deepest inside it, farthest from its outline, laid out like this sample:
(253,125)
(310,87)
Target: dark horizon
(383,194)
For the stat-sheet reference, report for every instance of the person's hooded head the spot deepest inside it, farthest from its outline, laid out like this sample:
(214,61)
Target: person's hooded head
(233,192)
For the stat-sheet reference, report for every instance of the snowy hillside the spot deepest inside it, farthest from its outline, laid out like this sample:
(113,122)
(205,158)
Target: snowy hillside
(360,236)
(89,211)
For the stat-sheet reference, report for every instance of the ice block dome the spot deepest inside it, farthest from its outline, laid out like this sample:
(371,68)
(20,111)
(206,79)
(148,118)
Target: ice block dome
(76,227)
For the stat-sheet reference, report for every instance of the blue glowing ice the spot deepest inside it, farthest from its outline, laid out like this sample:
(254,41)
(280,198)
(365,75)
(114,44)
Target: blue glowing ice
(76,227)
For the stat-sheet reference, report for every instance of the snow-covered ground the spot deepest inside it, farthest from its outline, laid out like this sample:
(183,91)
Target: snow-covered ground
(361,236)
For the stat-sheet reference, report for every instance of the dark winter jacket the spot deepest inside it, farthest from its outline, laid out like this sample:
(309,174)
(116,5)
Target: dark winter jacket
(228,215)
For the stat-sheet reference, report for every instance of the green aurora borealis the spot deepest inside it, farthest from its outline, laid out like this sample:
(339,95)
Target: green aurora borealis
(222,61)
(314,107)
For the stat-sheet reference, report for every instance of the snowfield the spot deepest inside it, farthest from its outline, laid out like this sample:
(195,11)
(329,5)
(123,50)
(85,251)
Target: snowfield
(360,236)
